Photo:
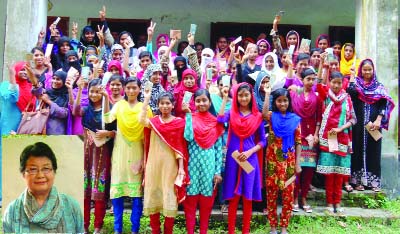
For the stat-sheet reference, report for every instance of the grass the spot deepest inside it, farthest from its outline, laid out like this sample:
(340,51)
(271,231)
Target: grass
(298,224)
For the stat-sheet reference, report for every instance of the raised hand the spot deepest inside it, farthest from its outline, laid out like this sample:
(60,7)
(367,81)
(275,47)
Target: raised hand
(100,35)
(52,29)
(190,38)
(42,34)
(102,13)
(74,30)
(11,72)
(150,29)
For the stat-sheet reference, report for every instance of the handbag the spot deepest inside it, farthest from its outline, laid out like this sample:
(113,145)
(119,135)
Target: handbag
(34,122)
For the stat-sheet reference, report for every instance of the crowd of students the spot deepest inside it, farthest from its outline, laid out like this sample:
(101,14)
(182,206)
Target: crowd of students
(268,114)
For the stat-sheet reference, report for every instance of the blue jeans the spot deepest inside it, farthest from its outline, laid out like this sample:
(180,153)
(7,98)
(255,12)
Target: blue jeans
(137,209)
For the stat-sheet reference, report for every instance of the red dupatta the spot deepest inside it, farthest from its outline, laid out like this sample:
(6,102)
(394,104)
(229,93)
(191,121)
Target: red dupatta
(172,134)
(245,126)
(25,87)
(206,129)
(336,113)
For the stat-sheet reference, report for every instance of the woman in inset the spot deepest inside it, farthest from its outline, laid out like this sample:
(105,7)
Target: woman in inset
(40,208)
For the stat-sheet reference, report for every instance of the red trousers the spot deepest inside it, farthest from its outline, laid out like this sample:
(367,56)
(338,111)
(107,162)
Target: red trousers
(155,224)
(333,188)
(205,207)
(247,212)
(99,213)
(304,182)
(287,204)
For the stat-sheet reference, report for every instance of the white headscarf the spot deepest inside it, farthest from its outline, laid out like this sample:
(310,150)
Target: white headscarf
(277,78)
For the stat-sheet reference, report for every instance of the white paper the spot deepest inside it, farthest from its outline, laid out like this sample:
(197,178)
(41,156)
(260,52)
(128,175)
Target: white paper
(237,40)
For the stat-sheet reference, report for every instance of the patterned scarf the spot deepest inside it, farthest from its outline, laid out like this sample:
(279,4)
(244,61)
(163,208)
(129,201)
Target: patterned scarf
(373,92)
(157,88)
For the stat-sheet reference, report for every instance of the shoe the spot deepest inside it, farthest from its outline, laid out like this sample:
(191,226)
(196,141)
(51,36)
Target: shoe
(376,189)
(307,209)
(295,208)
(348,188)
(340,211)
(359,188)
(329,211)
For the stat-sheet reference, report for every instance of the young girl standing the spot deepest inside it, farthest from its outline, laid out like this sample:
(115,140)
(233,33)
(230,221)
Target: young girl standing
(337,118)
(283,153)
(204,136)
(97,156)
(247,136)
(306,105)
(127,155)
(166,163)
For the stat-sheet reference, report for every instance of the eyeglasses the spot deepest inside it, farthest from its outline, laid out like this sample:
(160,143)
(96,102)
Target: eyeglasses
(35,171)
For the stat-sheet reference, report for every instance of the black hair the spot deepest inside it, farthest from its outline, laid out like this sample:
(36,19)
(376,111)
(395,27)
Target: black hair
(313,50)
(335,75)
(144,54)
(168,95)
(200,92)
(323,37)
(180,44)
(61,41)
(94,82)
(307,72)
(199,43)
(116,77)
(247,87)
(122,33)
(349,44)
(37,48)
(130,80)
(281,92)
(302,56)
(337,43)
(39,149)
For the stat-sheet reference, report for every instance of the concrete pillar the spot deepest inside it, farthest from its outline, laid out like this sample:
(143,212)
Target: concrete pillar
(24,20)
(377,38)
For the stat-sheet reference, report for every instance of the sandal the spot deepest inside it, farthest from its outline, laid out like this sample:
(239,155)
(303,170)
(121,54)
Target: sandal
(329,211)
(376,189)
(295,208)
(348,188)
(359,188)
(224,208)
(307,209)
(340,211)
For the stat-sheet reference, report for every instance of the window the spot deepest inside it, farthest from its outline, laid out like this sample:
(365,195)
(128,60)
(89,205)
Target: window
(343,34)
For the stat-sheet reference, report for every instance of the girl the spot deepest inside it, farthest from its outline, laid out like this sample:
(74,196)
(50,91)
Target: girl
(58,59)
(247,137)
(204,136)
(116,86)
(15,96)
(97,154)
(247,65)
(145,59)
(189,84)
(153,75)
(56,98)
(347,57)
(322,42)
(263,48)
(337,118)
(271,66)
(306,105)
(373,106)
(302,62)
(127,155)
(315,58)
(77,128)
(284,148)
(263,79)
(337,47)
(42,69)
(166,163)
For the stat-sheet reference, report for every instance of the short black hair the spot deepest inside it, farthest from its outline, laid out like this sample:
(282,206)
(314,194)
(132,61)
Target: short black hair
(132,80)
(37,48)
(39,149)
(302,56)
(248,87)
(200,92)
(281,92)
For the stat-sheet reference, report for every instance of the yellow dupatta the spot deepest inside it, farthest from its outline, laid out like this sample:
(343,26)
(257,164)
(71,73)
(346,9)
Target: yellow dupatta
(128,120)
(345,64)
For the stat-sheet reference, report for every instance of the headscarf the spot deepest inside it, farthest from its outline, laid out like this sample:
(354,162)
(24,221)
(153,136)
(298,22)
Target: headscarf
(116,64)
(277,78)
(243,126)
(179,92)
(179,71)
(259,60)
(59,96)
(156,90)
(204,74)
(75,64)
(25,87)
(166,43)
(170,63)
(58,59)
(48,37)
(206,129)
(291,32)
(322,36)
(373,92)
(284,127)
(260,96)
(116,47)
(345,64)
(83,41)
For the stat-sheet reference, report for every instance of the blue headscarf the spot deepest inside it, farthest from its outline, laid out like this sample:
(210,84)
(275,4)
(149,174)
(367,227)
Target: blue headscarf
(284,127)
(260,97)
